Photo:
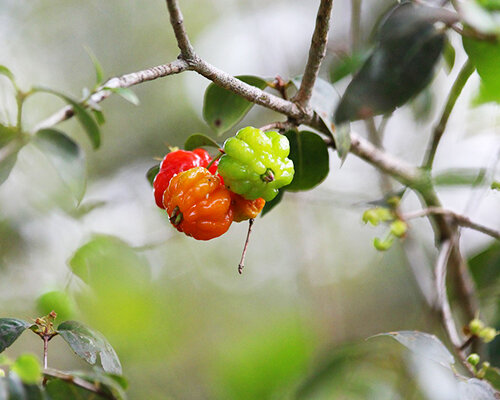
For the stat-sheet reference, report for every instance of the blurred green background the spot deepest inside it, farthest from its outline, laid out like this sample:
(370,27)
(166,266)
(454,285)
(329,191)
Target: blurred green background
(184,323)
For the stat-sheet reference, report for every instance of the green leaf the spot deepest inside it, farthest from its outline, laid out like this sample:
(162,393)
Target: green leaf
(90,345)
(223,109)
(83,116)
(486,58)
(449,55)
(99,72)
(7,134)
(401,65)
(346,65)
(342,137)
(58,389)
(484,266)
(7,72)
(309,154)
(66,157)
(273,203)
(152,172)
(493,376)
(10,330)
(58,301)
(126,93)
(423,344)
(107,258)
(99,117)
(27,368)
(459,177)
(7,163)
(199,140)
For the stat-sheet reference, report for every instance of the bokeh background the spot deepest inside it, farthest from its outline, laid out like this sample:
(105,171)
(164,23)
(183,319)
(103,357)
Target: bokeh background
(184,323)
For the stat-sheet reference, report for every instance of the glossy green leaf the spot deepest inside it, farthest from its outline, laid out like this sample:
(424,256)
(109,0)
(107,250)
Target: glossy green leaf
(66,157)
(423,344)
(273,203)
(486,58)
(484,266)
(347,65)
(401,65)
(152,172)
(309,154)
(126,93)
(449,55)
(28,368)
(10,330)
(223,109)
(84,117)
(90,345)
(200,140)
(99,72)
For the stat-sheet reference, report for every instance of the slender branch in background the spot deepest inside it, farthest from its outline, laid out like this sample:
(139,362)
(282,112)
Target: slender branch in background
(75,380)
(280,125)
(355,24)
(464,74)
(123,81)
(375,137)
(444,304)
(177,22)
(459,219)
(317,52)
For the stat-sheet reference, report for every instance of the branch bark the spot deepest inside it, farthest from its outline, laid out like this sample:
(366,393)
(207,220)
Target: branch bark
(177,22)
(317,52)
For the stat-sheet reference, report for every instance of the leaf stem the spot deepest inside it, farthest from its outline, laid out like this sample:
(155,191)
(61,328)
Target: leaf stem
(464,74)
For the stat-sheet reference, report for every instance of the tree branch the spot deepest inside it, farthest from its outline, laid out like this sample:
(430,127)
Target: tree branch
(459,219)
(123,81)
(464,74)
(317,52)
(177,22)
(75,380)
(444,304)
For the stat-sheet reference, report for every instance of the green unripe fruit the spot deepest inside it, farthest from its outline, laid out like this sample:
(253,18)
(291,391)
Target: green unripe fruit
(399,228)
(488,334)
(255,163)
(382,245)
(376,215)
(56,301)
(473,359)
(475,326)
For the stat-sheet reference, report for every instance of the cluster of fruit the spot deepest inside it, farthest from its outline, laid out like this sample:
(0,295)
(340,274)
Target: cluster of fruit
(203,196)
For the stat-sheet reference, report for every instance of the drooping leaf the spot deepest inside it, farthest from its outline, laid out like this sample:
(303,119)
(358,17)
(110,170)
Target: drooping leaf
(342,137)
(199,140)
(126,93)
(401,65)
(273,203)
(347,65)
(6,72)
(449,55)
(66,157)
(27,367)
(99,72)
(7,163)
(84,117)
(152,172)
(309,154)
(99,116)
(423,344)
(10,330)
(223,109)
(486,58)
(90,345)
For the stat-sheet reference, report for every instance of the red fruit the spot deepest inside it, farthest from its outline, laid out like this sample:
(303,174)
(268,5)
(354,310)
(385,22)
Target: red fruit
(174,163)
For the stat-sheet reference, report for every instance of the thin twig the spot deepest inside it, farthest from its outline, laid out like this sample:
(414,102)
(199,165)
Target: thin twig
(123,81)
(444,304)
(75,380)
(177,22)
(317,52)
(464,74)
(460,219)
(241,265)
(280,125)
(355,24)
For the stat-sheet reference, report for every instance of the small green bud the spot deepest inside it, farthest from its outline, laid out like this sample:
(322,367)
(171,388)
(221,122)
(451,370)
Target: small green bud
(475,326)
(371,217)
(376,215)
(399,228)
(473,359)
(488,334)
(382,245)
(394,201)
